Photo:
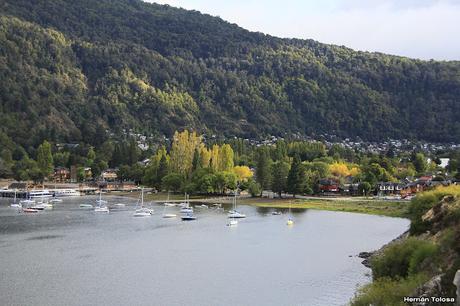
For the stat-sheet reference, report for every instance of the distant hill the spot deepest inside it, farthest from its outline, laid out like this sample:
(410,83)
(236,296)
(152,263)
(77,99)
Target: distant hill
(72,70)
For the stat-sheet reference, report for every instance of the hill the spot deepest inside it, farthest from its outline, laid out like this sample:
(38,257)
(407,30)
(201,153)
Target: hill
(74,70)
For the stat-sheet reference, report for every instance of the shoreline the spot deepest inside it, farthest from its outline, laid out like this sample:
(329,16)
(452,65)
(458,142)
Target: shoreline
(361,205)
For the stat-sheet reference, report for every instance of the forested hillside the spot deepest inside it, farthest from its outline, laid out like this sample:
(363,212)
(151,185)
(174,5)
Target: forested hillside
(74,70)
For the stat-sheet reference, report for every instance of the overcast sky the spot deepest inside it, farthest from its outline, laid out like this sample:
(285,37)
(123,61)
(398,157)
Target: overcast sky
(426,29)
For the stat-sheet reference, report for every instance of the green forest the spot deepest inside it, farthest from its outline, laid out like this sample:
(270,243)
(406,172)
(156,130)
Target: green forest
(84,71)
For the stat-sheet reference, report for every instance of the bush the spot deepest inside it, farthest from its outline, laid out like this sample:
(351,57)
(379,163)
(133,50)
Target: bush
(254,189)
(387,291)
(402,259)
(424,202)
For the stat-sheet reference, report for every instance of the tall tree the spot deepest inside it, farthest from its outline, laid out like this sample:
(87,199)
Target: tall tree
(45,159)
(263,168)
(225,158)
(280,172)
(296,179)
(183,146)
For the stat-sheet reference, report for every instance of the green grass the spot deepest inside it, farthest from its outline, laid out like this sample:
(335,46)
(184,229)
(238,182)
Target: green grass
(373,207)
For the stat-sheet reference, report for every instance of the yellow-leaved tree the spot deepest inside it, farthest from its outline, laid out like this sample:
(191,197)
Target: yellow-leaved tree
(182,150)
(243,173)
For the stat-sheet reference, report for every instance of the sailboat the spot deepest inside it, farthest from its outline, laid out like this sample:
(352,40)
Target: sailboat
(234,213)
(168,215)
(233,221)
(101,205)
(55,199)
(14,204)
(187,211)
(167,203)
(290,221)
(100,201)
(185,206)
(143,211)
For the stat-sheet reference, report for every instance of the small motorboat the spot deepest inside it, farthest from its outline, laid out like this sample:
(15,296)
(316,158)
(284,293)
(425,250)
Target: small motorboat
(86,206)
(56,200)
(188,217)
(276,213)
(119,205)
(39,206)
(204,206)
(30,210)
(102,209)
(143,212)
(169,216)
(170,204)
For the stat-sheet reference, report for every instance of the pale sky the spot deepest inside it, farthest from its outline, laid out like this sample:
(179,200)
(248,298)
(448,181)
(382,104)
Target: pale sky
(426,29)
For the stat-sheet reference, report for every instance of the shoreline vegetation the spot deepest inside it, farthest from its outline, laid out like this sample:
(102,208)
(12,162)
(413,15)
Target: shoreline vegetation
(422,262)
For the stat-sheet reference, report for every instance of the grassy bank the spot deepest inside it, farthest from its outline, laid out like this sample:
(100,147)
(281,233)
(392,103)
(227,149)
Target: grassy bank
(373,207)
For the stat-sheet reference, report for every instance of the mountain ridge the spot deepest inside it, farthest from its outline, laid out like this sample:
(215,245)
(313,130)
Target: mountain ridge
(154,68)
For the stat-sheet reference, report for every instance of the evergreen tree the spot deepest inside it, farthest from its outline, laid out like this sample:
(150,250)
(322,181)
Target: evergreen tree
(280,171)
(296,178)
(196,163)
(263,168)
(162,169)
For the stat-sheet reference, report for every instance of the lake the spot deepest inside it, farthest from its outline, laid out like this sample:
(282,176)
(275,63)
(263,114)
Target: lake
(69,256)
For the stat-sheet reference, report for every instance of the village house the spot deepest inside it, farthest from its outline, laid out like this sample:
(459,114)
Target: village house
(117,186)
(389,188)
(109,175)
(61,175)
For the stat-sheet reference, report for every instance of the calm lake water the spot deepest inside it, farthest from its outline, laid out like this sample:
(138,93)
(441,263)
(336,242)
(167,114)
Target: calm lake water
(70,256)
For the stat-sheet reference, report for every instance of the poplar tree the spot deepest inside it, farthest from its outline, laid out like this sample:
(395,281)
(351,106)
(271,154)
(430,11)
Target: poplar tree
(226,158)
(45,159)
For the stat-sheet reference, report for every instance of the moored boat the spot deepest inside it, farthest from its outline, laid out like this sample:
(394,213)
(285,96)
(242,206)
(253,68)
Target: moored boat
(30,210)
(143,211)
(188,217)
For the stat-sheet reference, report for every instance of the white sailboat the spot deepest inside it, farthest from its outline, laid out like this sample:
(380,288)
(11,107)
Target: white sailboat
(187,211)
(101,205)
(233,221)
(167,215)
(235,214)
(167,203)
(185,206)
(14,204)
(100,201)
(290,221)
(143,211)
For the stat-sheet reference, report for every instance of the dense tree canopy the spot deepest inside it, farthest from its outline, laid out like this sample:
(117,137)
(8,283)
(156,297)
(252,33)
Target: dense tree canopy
(74,70)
